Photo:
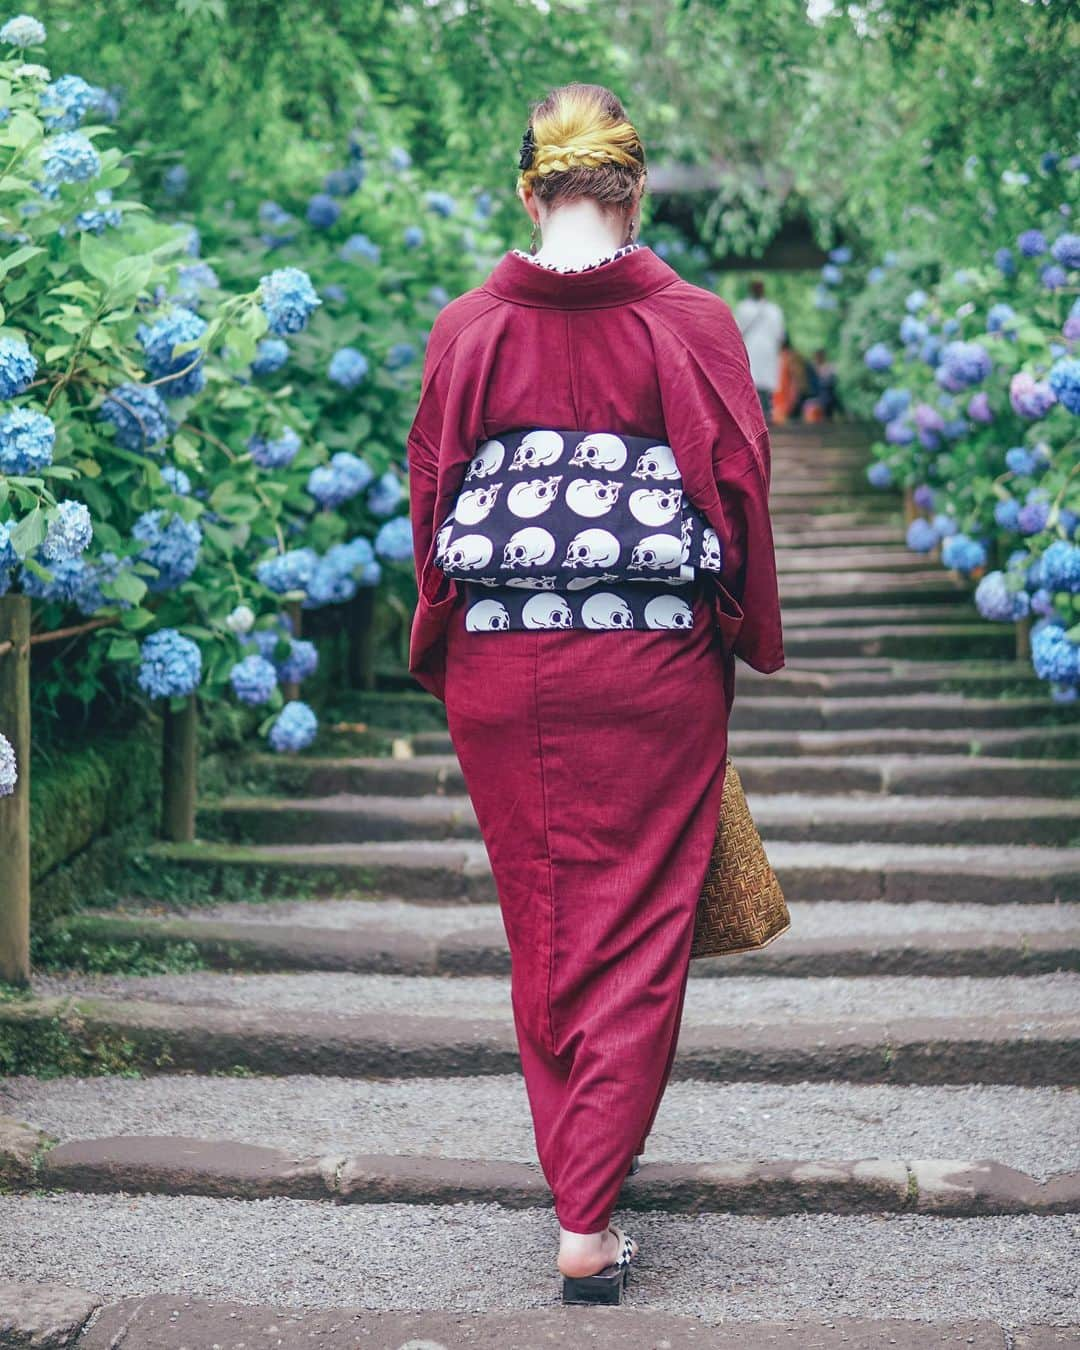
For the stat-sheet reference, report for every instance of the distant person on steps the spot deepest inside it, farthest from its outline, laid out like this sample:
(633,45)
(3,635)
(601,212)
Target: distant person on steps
(761,323)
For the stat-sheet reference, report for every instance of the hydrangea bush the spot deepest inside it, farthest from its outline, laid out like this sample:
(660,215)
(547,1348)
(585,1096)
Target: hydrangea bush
(980,415)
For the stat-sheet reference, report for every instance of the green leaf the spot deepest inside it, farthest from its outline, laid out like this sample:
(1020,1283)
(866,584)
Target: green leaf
(123,649)
(17,258)
(29,533)
(127,586)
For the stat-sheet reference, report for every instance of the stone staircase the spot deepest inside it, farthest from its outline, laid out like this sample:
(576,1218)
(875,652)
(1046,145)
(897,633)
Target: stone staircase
(870,1137)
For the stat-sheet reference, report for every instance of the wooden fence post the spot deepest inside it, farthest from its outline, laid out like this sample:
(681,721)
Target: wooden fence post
(360,639)
(15,810)
(179,772)
(290,689)
(1023,639)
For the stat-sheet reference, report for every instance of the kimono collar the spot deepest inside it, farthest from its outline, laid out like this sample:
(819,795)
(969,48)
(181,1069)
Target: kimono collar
(630,277)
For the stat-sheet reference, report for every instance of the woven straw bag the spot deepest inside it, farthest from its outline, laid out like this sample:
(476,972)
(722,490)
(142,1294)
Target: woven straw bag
(741,906)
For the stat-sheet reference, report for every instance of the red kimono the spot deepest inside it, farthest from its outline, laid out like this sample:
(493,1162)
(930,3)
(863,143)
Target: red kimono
(595,760)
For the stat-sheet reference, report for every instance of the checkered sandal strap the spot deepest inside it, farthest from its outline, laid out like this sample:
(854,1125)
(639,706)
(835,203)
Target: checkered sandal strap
(627,1247)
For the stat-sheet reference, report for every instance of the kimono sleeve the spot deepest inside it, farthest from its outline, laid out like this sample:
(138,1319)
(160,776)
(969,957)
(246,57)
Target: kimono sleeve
(718,433)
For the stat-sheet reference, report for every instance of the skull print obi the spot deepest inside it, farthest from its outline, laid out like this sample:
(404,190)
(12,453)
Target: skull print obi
(575,529)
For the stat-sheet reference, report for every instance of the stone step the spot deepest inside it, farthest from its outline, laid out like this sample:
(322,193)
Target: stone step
(895,559)
(845,676)
(201,1272)
(397,937)
(864,588)
(912,711)
(811,537)
(433,870)
(357,818)
(1023,1030)
(1030,1129)
(962,641)
(878,616)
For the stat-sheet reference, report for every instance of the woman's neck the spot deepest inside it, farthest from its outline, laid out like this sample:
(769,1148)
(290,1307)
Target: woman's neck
(578,234)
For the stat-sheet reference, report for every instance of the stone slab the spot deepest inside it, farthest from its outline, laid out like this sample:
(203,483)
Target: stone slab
(43,1316)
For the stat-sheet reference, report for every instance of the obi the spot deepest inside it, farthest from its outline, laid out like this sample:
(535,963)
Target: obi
(567,510)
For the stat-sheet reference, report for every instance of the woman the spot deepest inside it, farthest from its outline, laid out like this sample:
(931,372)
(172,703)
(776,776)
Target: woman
(594,759)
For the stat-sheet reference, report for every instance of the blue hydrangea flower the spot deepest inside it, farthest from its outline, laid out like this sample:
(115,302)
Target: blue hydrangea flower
(878,357)
(999,318)
(1054,656)
(891,404)
(69,158)
(394,540)
(484,205)
(875,276)
(66,101)
(323,211)
(170,665)
(1033,516)
(270,355)
(1060,570)
(69,533)
(962,365)
(277,453)
(358,247)
(344,182)
(23,31)
(9,769)
(831,275)
(915,301)
(899,432)
(1005,262)
(26,442)
(994,599)
(347,367)
(180,373)
(945,524)
(400,354)
(824,298)
(175,180)
(1007,513)
(385,496)
(192,280)
(1029,397)
(440,202)
(927,418)
(1066,250)
(1064,380)
(253,679)
(1049,161)
(1042,602)
(139,414)
(334,292)
(841,255)
(172,546)
(912,330)
(439,295)
(1053,276)
(291,571)
(288,300)
(340,480)
(961,553)
(1032,243)
(294,728)
(301,662)
(412,236)
(177,479)
(97,221)
(921,536)
(18,366)
(400,157)
(8,556)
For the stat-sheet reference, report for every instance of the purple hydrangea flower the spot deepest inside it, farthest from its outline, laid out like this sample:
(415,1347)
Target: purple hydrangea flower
(962,365)
(899,432)
(978,408)
(1032,243)
(923,497)
(1033,516)
(1029,397)
(995,600)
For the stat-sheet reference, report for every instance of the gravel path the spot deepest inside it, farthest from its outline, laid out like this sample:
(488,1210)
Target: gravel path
(810,918)
(1014,1270)
(735,999)
(1034,1129)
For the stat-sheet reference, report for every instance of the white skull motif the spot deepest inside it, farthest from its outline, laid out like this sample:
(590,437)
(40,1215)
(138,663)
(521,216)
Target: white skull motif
(537,450)
(533,583)
(657,552)
(486,616)
(473,507)
(592,548)
(592,496)
(712,555)
(659,462)
(530,547)
(487,460)
(668,611)
(442,539)
(601,450)
(546,611)
(604,610)
(533,496)
(655,506)
(484,581)
(471,551)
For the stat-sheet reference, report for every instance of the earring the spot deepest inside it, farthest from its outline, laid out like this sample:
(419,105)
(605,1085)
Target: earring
(630,232)
(532,241)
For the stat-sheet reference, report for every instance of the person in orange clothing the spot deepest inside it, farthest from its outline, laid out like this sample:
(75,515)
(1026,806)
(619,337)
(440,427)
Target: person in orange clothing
(793,386)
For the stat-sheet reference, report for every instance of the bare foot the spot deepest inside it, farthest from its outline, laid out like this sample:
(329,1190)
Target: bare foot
(582,1254)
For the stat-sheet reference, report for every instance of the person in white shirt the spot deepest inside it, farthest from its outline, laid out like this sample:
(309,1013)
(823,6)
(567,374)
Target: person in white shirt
(762,325)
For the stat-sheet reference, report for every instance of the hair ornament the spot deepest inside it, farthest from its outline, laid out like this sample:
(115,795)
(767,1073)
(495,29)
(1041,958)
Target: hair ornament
(528,149)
